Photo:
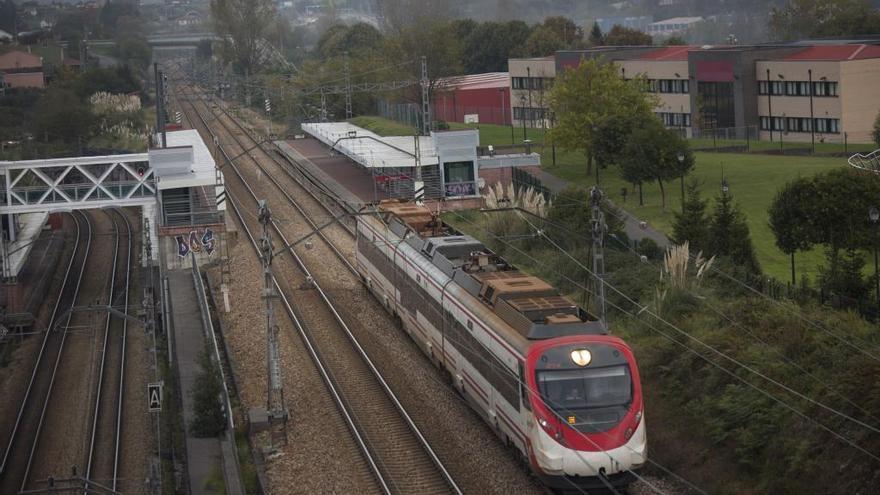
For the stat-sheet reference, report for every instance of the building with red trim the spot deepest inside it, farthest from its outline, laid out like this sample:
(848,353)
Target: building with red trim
(814,92)
(476,98)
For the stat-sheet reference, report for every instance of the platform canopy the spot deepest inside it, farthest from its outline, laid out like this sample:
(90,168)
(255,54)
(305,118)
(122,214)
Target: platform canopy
(372,150)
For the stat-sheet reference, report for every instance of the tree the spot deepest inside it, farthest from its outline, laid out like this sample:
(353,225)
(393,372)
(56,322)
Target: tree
(624,36)
(542,42)
(584,97)
(823,18)
(490,44)
(241,25)
(565,29)
(729,235)
(651,153)
(596,37)
(791,218)
(691,224)
(674,41)
(61,116)
(876,133)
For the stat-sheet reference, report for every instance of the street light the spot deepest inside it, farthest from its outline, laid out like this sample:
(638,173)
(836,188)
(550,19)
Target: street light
(681,158)
(874,215)
(593,153)
(522,104)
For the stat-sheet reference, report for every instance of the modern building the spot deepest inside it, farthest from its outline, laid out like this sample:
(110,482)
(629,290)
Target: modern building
(530,82)
(726,91)
(22,70)
(477,99)
(826,93)
(675,25)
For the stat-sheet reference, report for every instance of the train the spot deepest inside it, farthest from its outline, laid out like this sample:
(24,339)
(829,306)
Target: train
(539,369)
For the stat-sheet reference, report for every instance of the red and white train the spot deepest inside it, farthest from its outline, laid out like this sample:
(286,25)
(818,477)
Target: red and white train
(546,377)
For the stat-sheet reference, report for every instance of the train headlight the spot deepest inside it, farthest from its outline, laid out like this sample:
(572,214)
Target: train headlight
(581,357)
(543,423)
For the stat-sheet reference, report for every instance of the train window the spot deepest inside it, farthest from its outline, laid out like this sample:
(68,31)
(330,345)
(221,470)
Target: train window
(523,389)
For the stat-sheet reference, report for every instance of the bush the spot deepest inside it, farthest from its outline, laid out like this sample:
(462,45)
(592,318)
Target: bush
(648,247)
(209,419)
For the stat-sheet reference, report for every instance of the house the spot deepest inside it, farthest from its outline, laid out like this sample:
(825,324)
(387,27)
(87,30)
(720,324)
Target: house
(22,70)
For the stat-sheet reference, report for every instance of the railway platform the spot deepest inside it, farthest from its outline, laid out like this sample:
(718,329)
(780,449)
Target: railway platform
(204,456)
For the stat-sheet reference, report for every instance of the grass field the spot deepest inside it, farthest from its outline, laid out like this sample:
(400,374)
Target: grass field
(754,179)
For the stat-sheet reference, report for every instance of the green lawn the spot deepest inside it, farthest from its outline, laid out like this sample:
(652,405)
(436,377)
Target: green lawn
(754,179)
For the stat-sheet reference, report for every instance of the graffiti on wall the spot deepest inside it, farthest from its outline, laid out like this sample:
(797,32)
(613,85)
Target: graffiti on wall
(196,244)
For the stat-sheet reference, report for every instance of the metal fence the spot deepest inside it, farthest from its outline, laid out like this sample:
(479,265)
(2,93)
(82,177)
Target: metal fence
(522,180)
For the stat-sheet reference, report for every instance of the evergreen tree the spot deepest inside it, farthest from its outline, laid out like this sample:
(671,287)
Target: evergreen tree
(876,132)
(691,224)
(729,235)
(596,37)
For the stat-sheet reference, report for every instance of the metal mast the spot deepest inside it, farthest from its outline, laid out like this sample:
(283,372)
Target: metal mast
(275,395)
(426,117)
(598,224)
(348,112)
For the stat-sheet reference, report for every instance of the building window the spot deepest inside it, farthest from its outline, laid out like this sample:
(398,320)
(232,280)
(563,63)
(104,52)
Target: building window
(764,122)
(762,87)
(825,88)
(830,126)
(776,88)
(778,124)
(518,82)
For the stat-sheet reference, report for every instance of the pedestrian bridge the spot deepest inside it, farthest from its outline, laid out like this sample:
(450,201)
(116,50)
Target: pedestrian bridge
(61,184)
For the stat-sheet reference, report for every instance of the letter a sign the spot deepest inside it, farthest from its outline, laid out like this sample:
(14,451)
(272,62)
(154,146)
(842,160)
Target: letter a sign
(154,397)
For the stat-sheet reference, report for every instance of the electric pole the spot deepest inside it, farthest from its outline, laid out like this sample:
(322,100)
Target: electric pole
(426,117)
(277,414)
(598,231)
(348,112)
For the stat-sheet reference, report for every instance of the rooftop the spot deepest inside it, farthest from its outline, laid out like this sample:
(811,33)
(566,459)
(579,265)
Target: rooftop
(837,53)
(476,81)
(678,20)
(202,168)
(20,60)
(370,149)
(669,53)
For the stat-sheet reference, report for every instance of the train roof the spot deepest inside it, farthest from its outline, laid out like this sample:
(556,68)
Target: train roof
(530,305)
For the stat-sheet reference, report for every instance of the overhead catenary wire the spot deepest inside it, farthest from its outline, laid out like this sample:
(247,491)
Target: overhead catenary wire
(854,342)
(645,309)
(720,313)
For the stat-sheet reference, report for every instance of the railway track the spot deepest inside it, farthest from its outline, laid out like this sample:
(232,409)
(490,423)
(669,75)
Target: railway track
(25,435)
(102,461)
(404,461)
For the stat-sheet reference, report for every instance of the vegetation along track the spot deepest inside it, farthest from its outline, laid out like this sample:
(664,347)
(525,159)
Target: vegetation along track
(24,437)
(404,458)
(102,461)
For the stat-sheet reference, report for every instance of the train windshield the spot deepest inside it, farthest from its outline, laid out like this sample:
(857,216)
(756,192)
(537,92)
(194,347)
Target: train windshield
(571,391)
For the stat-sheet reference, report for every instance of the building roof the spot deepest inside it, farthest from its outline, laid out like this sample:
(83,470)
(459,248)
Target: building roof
(669,53)
(678,20)
(476,81)
(371,150)
(837,53)
(20,60)
(202,170)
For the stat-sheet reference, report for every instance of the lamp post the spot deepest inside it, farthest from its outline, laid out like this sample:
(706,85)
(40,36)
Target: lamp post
(592,151)
(681,158)
(812,127)
(529,85)
(770,105)
(522,102)
(874,215)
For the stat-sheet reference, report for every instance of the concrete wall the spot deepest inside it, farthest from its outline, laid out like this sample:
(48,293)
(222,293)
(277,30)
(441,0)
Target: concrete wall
(860,98)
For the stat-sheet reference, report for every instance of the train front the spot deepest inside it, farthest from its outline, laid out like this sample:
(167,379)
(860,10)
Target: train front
(587,427)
